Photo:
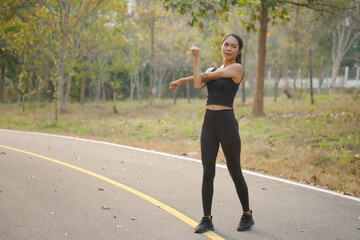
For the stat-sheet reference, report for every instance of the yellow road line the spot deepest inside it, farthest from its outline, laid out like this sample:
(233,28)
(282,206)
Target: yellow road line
(152,200)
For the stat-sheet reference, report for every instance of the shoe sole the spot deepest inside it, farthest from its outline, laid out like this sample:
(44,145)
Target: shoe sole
(210,229)
(245,229)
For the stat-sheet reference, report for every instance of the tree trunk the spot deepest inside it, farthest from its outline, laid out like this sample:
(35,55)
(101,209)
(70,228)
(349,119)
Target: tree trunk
(63,53)
(276,83)
(64,92)
(152,33)
(188,96)
(160,76)
(2,83)
(295,70)
(103,88)
(335,72)
(172,79)
(142,83)
(114,95)
(258,106)
(132,86)
(68,86)
(311,80)
(284,70)
(321,79)
(151,80)
(82,89)
(243,63)
(61,86)
(56,101)
(301,84)
(312,101)
(98,91)
(138,87)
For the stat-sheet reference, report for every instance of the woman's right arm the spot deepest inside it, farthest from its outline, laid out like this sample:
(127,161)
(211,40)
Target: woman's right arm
(177,83)
(197,78)
(198,84)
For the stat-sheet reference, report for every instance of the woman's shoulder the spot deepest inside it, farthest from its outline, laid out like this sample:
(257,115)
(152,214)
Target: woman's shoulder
(231,67)
(236,65)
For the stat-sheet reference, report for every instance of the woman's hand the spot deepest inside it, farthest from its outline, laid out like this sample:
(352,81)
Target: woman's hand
(195,51)
(175,84)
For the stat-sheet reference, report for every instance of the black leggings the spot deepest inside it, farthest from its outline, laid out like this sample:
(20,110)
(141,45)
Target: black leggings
(222,127)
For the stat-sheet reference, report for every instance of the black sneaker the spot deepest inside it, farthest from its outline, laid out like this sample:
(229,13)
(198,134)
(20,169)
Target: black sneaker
(246,222)
(205,225)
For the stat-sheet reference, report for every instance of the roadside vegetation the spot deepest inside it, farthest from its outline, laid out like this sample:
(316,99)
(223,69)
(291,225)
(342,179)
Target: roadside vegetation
(315,144)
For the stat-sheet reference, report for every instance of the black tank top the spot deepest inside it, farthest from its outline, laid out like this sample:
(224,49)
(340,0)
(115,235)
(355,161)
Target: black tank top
(221,91)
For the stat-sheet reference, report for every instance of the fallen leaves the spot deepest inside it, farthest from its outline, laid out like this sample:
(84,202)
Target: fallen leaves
(105,207)
(346,193)
(314,180)
(101,189)
(2,153)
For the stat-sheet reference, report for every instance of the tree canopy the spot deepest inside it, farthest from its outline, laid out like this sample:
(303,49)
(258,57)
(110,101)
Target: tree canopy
(95,50)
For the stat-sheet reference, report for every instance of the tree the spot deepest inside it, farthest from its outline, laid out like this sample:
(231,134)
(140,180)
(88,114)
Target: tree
(61,36)
(258,105)
(345,34)
(201,9)
(259,11)
(18,25)
(4,56)
(311,33)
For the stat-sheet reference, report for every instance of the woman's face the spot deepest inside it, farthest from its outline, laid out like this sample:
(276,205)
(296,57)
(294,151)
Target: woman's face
(230,48)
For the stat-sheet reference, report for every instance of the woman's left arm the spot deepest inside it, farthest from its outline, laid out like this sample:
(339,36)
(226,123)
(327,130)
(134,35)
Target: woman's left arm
(234,71)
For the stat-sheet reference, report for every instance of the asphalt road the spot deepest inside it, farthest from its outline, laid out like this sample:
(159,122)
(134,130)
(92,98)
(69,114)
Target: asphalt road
(54,187)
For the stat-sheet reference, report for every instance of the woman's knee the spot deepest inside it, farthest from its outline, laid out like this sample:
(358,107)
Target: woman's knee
(209,174)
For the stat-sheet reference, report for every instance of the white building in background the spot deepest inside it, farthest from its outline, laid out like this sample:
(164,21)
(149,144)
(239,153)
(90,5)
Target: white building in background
(346,79)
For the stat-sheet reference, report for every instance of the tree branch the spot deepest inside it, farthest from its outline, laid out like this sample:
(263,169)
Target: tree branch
(322,7)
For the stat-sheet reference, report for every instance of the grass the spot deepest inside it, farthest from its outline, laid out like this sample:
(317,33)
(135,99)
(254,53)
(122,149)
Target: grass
(318,145)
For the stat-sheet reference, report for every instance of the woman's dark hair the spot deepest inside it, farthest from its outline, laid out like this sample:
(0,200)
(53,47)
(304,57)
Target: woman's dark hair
(237,37)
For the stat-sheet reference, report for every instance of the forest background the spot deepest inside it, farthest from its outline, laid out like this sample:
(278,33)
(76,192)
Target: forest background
(101,69)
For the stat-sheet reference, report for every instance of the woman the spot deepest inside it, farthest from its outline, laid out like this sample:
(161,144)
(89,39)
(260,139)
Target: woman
(220,126)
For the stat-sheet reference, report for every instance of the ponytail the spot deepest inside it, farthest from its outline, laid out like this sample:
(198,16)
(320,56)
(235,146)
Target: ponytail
(238,58)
